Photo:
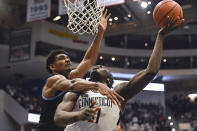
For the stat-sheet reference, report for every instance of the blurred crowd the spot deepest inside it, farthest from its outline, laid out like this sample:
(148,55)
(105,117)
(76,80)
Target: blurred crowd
(144,117)
(136,117)
(184,110)
(27,98)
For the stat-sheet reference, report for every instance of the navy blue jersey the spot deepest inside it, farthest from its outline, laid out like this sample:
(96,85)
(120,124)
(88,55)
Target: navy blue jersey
(48,108)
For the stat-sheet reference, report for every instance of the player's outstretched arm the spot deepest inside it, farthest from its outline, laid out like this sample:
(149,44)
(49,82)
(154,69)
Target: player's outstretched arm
(141,79)
(92,52)
(65,115)
(60,83)
(78,85)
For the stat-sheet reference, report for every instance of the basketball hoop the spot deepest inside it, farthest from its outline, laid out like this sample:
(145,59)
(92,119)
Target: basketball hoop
(84,15)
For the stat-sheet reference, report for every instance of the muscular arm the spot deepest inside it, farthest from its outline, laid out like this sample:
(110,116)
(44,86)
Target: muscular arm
(59,82)
(141,79)
(138,82)
(89,58)
(92,52)
(64,114)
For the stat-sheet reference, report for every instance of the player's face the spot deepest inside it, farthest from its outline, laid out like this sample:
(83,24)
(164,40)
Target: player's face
(100,71)
(62,63)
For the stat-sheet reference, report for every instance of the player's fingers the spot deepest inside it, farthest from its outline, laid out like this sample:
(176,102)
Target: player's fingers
(108,16)
(90,119)
(92,105)
(87,115)
(96,109)
(91,110)
(167,22)
(119,96)
(181,21)
(105,13)
(111,98)
(175,21)
(171,19)
(174,24)
(115,98)
(104,92)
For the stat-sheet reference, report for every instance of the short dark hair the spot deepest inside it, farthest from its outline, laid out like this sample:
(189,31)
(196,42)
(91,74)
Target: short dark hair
(51,58)
(108,78)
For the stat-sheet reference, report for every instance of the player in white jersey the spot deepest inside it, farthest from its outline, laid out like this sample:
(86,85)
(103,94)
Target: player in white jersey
(79,114)
(105,106)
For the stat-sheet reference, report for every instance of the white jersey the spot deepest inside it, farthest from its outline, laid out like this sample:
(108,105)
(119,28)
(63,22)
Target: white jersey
(107,120)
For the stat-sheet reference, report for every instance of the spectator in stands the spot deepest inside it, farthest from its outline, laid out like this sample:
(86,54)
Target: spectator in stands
(150,117)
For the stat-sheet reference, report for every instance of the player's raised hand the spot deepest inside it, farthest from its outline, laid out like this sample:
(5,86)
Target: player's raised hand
(89,113)
(171,25)
(103,21)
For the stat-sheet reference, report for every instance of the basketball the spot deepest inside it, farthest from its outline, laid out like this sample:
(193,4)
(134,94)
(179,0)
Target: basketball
(164,9)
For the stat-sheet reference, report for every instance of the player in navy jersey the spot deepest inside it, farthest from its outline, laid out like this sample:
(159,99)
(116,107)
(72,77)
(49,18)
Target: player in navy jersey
(64,79)
(79,114)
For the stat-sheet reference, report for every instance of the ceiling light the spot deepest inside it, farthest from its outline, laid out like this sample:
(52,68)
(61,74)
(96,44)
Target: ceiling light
(192,97)
(57,18)
(110,19)
(144,4)
(149,12)
(101,57)
(129,15)
(169,117)
(115,18)
(113,58)
(171,123)
(164,60)
(149,2)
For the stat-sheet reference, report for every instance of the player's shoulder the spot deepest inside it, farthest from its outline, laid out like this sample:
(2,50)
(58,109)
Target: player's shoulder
(51,80)
(55,77)
(121,85)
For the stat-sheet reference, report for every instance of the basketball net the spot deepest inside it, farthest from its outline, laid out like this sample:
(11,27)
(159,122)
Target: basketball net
(84,15)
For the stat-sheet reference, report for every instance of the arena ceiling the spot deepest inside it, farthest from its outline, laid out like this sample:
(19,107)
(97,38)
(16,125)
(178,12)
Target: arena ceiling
(13,14)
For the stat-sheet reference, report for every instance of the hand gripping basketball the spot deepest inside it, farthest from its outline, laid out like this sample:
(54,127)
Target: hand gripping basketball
(165,10)
(89,113)
(171,25)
